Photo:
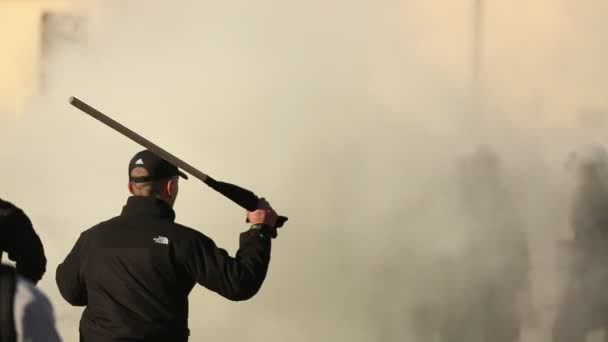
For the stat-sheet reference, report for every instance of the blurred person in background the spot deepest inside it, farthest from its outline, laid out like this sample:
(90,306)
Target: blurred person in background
(475,279)
(584,307)
(498,257)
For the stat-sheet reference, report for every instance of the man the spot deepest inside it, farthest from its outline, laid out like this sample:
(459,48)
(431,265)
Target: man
(498,256)
(135,271)
(21,242)
(585,305)
(25,312)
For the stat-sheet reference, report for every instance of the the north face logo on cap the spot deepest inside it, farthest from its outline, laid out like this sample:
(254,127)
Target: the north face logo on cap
(139,162)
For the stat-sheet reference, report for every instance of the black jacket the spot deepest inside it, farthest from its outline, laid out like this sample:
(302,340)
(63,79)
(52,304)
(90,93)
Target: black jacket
(134,273)
(20,241)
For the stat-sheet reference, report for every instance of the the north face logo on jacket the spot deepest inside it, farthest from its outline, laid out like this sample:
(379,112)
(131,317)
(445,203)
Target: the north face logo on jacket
(162,240)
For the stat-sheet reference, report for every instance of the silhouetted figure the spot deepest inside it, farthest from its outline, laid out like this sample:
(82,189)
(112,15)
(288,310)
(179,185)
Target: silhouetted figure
(475,280)
(498,258)
(585,305)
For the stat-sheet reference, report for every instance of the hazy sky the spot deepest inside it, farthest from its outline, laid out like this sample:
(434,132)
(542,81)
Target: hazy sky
(343,114)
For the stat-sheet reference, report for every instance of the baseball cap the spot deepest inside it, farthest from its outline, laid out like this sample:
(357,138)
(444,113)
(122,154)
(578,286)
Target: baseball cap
(157,167)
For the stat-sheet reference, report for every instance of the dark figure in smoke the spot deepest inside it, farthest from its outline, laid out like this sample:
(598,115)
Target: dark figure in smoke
(585,305)
(498,253)
(482,283)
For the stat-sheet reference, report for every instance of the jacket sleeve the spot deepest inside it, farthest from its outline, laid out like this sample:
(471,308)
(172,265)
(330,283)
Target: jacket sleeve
(236,278)
(69,275)
(21,242)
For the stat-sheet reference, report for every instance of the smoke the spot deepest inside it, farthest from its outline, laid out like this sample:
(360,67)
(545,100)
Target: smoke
(349,117)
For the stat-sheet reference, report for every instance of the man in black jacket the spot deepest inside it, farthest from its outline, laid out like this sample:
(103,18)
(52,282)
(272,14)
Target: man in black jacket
(135,271)
(21,242)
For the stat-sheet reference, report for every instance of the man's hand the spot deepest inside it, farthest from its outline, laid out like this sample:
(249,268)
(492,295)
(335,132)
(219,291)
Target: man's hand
(263,215)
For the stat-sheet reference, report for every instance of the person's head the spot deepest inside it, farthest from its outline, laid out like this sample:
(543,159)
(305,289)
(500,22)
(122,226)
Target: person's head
(480,181)
(588,162)
(480,168)
(152,176)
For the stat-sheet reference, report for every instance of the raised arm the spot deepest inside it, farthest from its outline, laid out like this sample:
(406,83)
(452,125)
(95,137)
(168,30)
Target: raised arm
(240,277)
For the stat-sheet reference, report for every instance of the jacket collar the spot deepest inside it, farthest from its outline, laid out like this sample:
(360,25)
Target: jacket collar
(147,207)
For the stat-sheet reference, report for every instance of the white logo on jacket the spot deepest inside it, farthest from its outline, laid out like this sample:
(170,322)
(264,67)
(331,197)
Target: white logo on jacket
(162,240)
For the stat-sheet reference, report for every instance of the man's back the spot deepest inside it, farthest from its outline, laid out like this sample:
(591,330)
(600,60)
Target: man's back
(135,272)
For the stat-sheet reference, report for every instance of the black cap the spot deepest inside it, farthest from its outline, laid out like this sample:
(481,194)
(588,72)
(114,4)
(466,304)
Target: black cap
(157,167)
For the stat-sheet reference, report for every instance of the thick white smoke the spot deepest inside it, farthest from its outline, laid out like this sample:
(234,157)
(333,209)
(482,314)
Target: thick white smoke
(349,117)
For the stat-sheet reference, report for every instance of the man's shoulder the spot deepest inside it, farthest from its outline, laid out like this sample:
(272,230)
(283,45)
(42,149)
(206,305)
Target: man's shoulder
(101,226)
(186,233)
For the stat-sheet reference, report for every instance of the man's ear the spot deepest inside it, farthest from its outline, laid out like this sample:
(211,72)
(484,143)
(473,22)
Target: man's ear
(130,186)
(169,188)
